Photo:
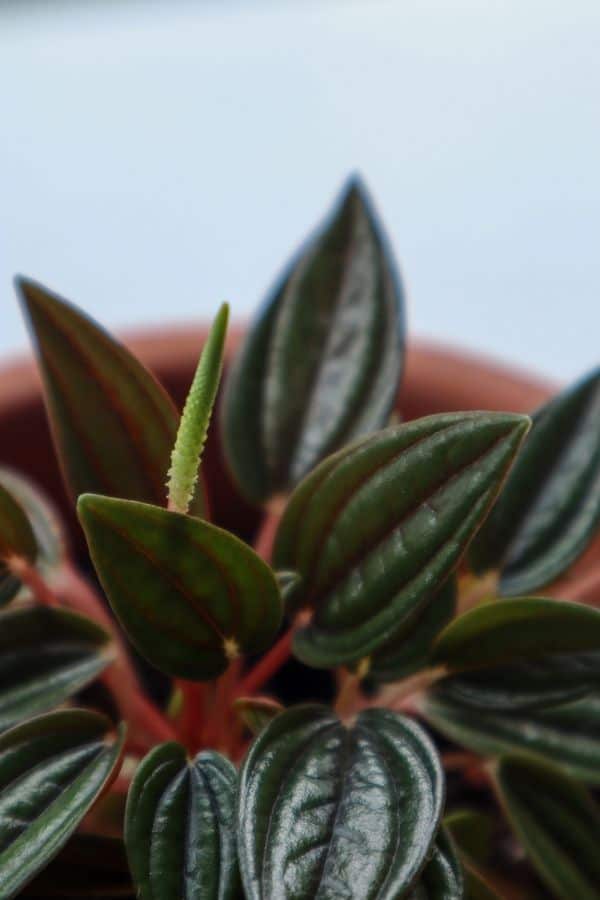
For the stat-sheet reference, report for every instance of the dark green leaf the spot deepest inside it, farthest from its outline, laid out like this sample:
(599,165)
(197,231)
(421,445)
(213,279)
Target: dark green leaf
(568,734)
(52,769)
(189,595)
(321,364)
(16,540)
(550,507)
(113,424)
(472,832)
(256,712)
(520,653)
(377,528)
(46,656)
(326,810)
(43,518)
(411,650)
(556,821)
(179,826)
(442,877)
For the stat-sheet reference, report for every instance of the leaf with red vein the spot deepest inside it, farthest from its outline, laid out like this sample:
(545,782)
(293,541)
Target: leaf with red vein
(114,426)
(373,532)
(189,595)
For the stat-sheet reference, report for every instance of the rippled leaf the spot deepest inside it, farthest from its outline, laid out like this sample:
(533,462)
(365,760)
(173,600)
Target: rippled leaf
(326,810)
(520,653)
(16,539)
(442,877)
(411,650)
(557,823)
(52,769)
(568,735)
(46,656)
(377,528)
(179,826)
(189,595)
(113,424)
(321,364)
(550,507)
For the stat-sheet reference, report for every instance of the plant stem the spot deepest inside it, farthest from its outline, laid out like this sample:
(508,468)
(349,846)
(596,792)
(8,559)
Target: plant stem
(472,589)
(147,723)
(270,663)
(394,695)
(268,529)
(28,574)
(194,696)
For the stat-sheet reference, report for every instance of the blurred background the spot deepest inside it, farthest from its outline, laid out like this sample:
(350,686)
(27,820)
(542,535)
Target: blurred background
(158,157)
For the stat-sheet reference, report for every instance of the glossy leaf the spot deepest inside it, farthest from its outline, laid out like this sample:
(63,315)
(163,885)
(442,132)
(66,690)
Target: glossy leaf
(326,810)
(52,769)
(321,364)
(550,507)
(113,424)
(257,712)
(16,540)
(557,823)
(411,650)
(568,735)
(442,877)
(43,519)
(46,656)
(189,595)
(521,653)
(376,529)
(180,828)
(195,418)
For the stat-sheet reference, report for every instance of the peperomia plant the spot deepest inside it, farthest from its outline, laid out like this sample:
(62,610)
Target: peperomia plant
(404,561)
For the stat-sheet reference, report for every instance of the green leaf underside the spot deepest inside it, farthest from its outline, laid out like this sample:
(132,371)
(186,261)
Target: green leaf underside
(557,823)
(257,712)
(180,828)
(43,519)
(46,656)
(550,507)
(113,424)
(321,364)
(568,735)
(472,833)
(16,539)
(520,653)
(376,529)
(52,769)
(442,877)
(195,418)
(326,810)
(179,586)
(411,650)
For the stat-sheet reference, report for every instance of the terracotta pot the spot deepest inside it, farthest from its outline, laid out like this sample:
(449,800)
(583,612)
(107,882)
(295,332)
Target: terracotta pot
(437,379)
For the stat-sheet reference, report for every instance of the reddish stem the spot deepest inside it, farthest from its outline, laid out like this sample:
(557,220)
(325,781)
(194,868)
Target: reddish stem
(147,723)
(194,697)
(270,663)
(268,529)
(28,574)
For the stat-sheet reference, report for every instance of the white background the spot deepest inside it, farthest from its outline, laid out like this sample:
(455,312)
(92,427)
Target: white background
(156,158)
